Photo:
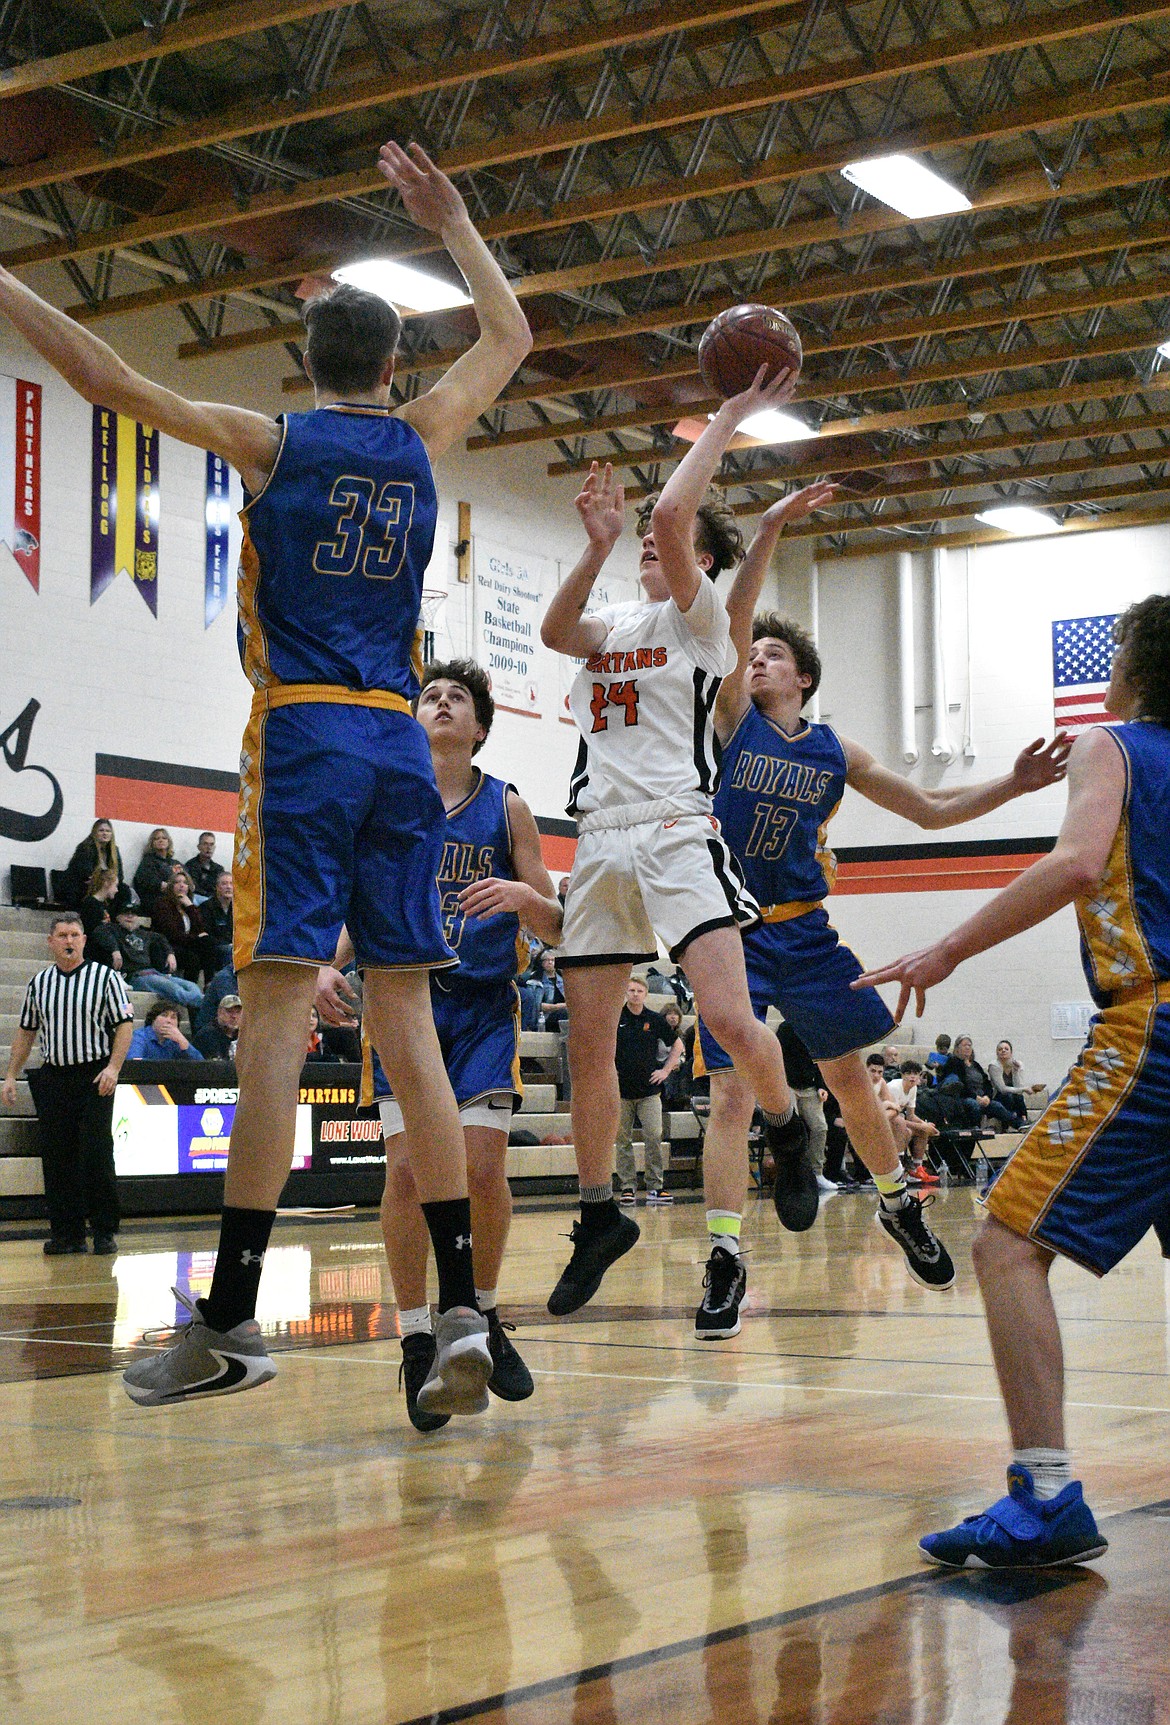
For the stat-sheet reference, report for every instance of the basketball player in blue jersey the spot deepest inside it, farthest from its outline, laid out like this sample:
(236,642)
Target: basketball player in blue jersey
(492,882)
(781,780)
(339,818)
(1092,1175)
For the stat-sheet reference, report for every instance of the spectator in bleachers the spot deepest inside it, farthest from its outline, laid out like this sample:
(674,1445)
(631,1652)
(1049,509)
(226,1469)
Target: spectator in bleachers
(904,1095)
(875,1066)
(203,869)
(218,1041)
(99,850)
(892,1070)
(964,1074)
(223,982)
(178,917)
(160,1037)
(218,918)
(317,1049)
(1007,1075)
(146,961)
(154,871)
(553,1012)
(676,1092)
(808,1087)
(641,1074)
(97,911)
(936,1061)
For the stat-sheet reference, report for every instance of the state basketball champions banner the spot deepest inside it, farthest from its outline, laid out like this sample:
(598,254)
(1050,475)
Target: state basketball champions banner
(509,599)
(225,499)
(20,473)
(124,510)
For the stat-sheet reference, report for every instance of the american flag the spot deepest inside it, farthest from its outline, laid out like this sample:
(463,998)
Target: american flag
(1082,654)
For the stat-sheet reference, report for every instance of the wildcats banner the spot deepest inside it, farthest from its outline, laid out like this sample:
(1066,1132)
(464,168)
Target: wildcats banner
(20,473)
(225,499)
(124,511)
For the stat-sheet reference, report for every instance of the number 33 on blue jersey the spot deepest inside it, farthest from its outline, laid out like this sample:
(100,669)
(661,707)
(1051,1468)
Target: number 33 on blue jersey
(370,535)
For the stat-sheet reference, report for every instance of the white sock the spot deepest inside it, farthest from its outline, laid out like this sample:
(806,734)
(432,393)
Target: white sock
(723,1229)
(414,1321)
(485,1299)
(1051,1469)
(779,1119)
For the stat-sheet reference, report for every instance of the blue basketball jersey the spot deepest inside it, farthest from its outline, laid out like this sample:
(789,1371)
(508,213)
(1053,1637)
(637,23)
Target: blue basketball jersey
(1125,919)
(775,798)
(478,843)
(334,550)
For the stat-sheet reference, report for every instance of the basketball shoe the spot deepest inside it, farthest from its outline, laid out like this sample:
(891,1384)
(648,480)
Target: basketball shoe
(594,1250)
(200,1362)
(1021,1531)
(510,1380)
(795,1193)
(458,1379)
(418,1356)
(724,1285)
(927,1259)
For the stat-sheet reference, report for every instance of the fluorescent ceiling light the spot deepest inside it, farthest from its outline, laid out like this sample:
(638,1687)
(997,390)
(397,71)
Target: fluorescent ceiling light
(1018,518)
(410,290)
(773,426)
(906,185)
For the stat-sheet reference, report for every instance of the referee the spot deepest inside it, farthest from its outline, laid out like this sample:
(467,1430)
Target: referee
(83,1017)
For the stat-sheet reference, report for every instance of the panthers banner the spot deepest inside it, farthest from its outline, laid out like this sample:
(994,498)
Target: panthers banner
(20,473)
(124,514)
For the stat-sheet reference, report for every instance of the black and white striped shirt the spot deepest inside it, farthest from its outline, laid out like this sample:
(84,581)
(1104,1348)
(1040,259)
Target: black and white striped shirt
(75,1012)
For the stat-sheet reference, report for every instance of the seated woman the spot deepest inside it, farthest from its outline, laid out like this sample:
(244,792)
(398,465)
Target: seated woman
(676,1092)
(316,1048)
(178,918)
(963,1073)
(98,851)
(98,909)
(154,871)
(160,1037)
(1007,1075)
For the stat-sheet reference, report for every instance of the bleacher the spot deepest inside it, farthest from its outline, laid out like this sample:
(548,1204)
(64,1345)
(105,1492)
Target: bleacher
(545,1109)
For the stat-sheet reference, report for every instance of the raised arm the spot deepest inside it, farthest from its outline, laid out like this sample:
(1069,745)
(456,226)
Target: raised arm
(1096,796)
(477,377)
(673,520)
(248,441)
(531,895)
(732,701)
(601,504)
(1037,765)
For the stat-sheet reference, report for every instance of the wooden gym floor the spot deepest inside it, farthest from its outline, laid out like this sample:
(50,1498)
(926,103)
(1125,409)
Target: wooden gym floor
(668,1532)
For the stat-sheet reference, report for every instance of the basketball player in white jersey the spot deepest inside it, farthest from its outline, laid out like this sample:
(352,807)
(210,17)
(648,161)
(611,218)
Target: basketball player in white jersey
(651,865)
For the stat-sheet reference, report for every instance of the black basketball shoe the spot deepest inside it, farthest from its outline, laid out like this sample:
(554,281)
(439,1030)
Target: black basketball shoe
(418,1356)
(724,1283)
(927,1259)
(510,1380)
(593,1253)
(795,1192)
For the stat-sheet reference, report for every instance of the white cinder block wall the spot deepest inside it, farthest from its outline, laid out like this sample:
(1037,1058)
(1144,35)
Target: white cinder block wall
(112,679)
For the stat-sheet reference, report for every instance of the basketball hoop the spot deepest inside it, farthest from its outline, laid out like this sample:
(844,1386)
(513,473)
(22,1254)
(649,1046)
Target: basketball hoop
(433,600)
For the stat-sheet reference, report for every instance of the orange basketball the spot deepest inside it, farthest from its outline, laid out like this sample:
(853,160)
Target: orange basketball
(742,339)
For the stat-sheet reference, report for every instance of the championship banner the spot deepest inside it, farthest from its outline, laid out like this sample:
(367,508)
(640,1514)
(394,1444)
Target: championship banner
(124,509)
(509,598)
(20,473)
(225,499)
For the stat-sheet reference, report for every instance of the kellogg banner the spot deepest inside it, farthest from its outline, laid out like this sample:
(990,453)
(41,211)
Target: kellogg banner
(20,473)
(124,509)
(509,598)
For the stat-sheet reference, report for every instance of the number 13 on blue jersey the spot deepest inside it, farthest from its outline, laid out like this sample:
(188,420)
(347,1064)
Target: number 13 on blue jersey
(370,535)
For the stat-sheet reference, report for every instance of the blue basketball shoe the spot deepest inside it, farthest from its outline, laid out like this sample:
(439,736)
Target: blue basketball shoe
(1021,1531)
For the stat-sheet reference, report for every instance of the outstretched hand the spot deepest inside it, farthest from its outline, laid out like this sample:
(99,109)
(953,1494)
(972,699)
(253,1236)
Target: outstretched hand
(761,396)
(432,200)
(601,504)
(1041,763)
(799,505)
(916,971)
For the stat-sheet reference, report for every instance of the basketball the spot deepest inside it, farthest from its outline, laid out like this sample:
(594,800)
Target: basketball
(740,340)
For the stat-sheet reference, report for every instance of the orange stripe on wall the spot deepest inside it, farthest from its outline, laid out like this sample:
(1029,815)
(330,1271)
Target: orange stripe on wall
(558,851)
(919,874)
(160,805)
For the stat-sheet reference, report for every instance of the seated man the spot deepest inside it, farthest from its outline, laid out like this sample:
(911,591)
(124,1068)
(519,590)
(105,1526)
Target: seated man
(218,918)
(146,961)
(203,870)
(160,1037)
(904,1095)
(218,1041)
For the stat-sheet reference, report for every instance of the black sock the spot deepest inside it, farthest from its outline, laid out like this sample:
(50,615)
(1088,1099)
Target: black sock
(595,1217)
(243,1241)
(449,1220)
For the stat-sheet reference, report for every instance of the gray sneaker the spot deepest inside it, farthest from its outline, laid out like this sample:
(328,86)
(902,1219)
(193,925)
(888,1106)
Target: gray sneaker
(200,1362)
(457,1381)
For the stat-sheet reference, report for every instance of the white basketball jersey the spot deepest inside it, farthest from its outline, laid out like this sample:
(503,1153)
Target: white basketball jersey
(643,704)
